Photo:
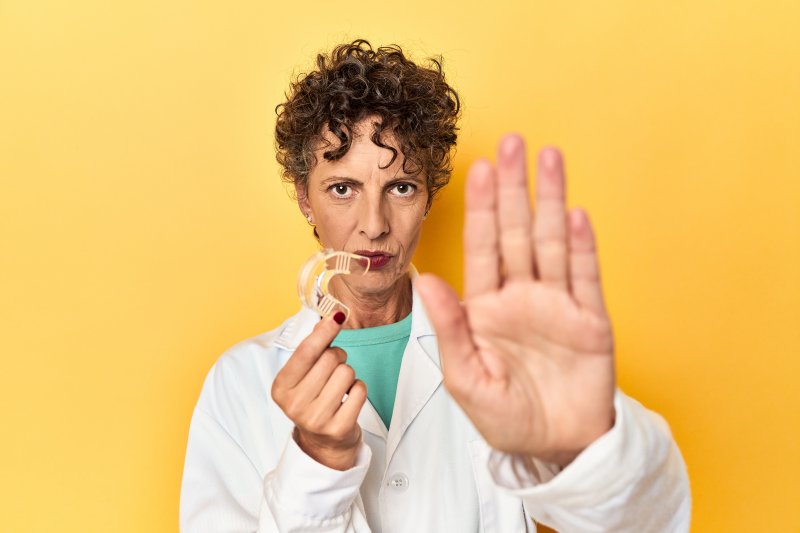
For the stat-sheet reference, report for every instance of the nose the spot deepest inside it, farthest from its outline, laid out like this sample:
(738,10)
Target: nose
(374,221)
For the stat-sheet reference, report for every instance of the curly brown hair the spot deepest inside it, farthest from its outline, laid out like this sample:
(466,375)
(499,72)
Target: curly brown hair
(354,82)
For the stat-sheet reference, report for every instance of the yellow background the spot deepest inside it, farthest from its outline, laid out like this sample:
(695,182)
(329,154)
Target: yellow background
(144,230)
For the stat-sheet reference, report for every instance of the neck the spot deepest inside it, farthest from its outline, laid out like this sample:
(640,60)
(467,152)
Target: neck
(368,310)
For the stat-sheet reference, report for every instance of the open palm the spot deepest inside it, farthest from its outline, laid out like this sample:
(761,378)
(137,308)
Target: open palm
(529,354)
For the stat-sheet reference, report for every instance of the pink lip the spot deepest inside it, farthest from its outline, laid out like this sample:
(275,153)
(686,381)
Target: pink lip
(377,260)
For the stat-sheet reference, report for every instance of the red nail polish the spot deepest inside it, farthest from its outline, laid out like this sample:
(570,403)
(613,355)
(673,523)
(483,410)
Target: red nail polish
(339,317)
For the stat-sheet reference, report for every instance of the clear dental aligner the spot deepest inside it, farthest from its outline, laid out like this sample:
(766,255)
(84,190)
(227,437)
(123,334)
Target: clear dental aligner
(316,274)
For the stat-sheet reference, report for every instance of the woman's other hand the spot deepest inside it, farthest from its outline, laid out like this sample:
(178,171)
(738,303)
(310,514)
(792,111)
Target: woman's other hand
(310,388)
(529,355)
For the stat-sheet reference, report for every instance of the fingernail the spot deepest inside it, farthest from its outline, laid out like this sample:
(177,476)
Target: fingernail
(577,220)
(511,146)
(550,158)
(339,317)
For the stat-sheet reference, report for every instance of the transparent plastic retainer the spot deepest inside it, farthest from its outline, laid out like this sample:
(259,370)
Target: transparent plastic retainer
(316,274)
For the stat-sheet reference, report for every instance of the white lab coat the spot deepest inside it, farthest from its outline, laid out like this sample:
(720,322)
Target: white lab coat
(430,472)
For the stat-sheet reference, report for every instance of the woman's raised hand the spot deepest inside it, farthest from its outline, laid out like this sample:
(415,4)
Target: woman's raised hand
(309,389)
(529,355)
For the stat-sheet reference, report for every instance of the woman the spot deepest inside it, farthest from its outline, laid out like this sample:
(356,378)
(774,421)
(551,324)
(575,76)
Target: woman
(489,415)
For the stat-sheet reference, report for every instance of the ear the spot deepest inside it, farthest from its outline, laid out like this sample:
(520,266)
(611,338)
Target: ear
(301,191)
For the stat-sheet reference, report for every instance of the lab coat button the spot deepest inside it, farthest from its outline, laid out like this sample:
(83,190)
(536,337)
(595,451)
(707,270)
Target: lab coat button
(398,482)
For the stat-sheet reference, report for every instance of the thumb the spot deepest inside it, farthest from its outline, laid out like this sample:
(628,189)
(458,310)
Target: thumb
(449,320)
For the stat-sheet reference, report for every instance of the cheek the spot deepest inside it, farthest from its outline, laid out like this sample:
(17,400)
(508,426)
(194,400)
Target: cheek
(407,227)
(336,227)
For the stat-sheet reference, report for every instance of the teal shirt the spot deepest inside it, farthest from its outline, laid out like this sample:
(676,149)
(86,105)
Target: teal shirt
(375,354)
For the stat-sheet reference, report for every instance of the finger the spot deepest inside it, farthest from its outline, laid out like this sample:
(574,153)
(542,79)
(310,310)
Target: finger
(513,209)
(348,412)
(315,379)
(461,365)
(584,269)
(330,397)
(533,246)
(481,256)
(550,235)
(307,353)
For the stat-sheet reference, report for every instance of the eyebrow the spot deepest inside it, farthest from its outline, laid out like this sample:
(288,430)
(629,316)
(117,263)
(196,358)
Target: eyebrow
(331,179)
(414,178)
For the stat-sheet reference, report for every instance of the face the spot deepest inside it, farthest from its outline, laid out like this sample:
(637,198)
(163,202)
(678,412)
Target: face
(360,207)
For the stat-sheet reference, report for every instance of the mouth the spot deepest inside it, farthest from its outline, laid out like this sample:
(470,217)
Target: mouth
(377,260)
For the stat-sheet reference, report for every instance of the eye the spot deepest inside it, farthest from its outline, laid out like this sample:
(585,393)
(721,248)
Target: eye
(341,190)
(404,189)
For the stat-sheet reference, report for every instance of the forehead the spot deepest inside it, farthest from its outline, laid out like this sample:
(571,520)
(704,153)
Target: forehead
(363,156)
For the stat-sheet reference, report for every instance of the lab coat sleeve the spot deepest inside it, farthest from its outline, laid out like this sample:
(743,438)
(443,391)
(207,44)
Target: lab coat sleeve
(222,490)
(235,483)
(631,479)
(304,495)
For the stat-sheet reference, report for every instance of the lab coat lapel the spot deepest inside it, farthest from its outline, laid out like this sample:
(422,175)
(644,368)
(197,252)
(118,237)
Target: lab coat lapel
(370,420)
(420,376)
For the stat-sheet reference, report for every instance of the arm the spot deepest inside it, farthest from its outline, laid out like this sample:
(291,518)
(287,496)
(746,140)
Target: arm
(529,357)
(304,495)
(224,485)
(222,490)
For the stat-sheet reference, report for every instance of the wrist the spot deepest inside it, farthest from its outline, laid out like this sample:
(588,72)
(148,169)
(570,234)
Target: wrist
(335,457)
(564,456)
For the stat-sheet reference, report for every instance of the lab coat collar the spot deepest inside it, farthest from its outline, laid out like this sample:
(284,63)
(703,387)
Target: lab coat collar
(420,376)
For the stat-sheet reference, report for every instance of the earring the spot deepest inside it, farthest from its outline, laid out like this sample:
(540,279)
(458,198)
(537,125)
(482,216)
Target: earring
(310,220)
